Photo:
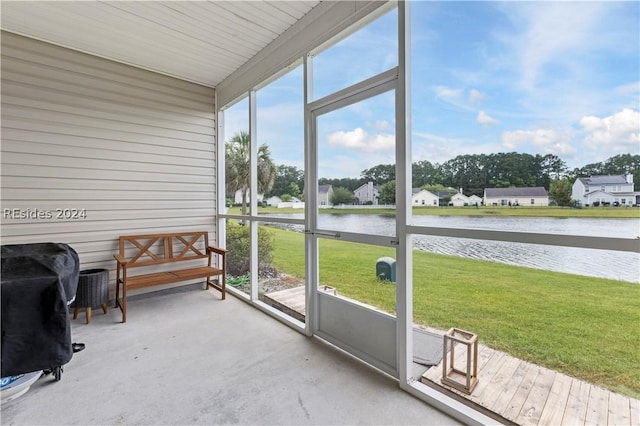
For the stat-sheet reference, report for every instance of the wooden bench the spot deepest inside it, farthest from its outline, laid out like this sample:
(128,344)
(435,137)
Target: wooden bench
(177,251)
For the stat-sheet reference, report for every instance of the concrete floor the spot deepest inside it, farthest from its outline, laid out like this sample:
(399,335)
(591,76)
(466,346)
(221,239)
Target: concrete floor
(190,358)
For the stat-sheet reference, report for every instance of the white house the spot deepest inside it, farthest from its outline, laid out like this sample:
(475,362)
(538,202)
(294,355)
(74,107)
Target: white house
(324,199)
(237,199)
(523,196)
(324,195)
(605,189)
(295,203)
(422,197)
(367,194)
(274,200)
(474,200)
(459,200)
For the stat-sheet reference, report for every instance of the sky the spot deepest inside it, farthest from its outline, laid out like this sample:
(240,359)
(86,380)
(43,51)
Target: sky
(542,78)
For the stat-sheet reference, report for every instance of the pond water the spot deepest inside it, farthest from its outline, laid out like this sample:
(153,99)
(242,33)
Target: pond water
(623,266)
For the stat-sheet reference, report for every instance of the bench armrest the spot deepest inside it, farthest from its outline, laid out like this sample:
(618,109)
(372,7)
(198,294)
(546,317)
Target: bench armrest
(121,260)
(216,250)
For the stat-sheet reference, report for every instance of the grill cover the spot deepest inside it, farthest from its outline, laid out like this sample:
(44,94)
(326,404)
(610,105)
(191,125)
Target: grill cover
(38,282)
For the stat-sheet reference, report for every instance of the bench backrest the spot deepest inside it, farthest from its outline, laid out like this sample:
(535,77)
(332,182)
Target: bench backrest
(154,249)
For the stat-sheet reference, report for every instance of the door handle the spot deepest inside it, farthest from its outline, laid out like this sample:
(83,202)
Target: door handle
(323,233)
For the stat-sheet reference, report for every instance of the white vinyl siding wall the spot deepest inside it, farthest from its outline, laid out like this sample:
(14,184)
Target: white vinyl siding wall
(135,149)
(523,200)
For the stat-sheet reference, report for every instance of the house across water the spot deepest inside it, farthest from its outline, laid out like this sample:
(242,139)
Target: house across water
(616,190)
(533,196)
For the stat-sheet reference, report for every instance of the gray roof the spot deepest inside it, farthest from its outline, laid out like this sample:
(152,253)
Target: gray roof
(415,191)
(442,194)
(323,188)
(536,191)
(364,185)
(603,180)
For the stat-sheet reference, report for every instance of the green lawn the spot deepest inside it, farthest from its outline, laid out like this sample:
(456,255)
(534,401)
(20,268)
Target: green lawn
(591,212)
(585,327)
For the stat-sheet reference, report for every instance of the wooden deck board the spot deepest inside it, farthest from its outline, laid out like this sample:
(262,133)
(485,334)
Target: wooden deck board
(484,354)
(575,413)
(290,301)
(557,401)
(634,411)
(510,387)
(598,406)
(499,381)
(434,373)
(531,410)
(619,410)
(515,405)
(486,376)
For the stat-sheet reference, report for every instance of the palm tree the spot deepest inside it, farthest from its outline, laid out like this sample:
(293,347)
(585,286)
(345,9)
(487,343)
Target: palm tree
(238,169)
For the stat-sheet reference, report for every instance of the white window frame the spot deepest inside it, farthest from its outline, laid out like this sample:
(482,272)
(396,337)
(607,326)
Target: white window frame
(404,230)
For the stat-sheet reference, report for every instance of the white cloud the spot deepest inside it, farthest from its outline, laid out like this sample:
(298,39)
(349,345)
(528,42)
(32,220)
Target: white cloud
(360,140)
(382,125)
(484,118)
(447,93)
(475,96)
(631,89)
(618,131)
(553,33)
(546,141)
(452,96)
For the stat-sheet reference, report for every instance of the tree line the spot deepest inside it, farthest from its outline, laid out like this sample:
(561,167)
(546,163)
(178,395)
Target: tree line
(471,173)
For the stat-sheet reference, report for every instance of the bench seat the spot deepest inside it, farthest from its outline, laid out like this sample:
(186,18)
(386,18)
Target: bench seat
(159,278)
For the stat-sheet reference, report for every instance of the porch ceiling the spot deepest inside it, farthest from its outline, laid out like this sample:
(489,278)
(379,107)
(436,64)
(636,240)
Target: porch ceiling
(198,41)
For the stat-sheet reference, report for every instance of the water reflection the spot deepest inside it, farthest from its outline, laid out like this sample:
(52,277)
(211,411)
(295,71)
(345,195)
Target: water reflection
(598,263)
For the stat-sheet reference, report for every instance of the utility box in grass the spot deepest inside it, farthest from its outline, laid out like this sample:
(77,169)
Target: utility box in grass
(386,269)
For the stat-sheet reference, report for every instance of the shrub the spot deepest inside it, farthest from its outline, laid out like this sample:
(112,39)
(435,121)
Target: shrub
(238,246)
(341,196)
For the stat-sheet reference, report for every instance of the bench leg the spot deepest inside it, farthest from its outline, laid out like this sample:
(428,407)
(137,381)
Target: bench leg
(123,305)
(221,287)
(117,292)
(224,287)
